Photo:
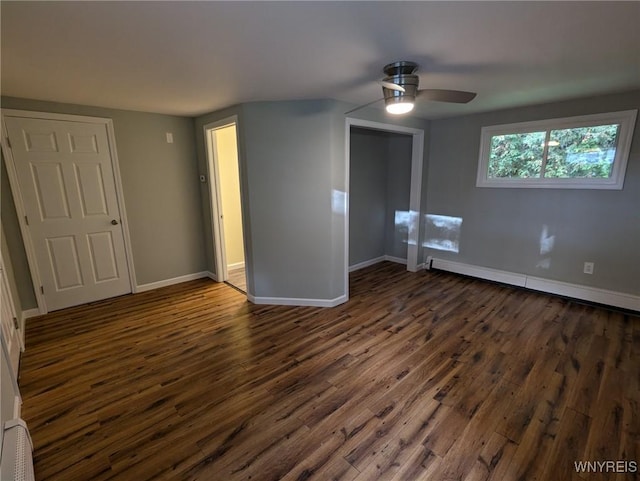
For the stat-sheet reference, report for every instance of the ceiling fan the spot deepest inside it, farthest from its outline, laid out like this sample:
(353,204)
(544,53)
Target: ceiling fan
(400,90)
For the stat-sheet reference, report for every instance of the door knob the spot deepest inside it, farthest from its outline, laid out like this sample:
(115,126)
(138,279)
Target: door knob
(114,222)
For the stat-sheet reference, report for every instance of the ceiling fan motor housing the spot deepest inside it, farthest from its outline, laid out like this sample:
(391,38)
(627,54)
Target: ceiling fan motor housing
(401,73)
(408,82)
(402,67)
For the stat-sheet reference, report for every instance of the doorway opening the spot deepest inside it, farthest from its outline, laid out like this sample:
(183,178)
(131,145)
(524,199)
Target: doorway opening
(226,202)
(405,220)
(379,185)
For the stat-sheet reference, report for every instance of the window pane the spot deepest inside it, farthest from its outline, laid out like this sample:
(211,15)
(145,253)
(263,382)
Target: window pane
(516,156)
(584,152)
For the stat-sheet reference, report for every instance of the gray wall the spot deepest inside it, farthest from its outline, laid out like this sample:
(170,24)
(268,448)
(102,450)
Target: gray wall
(502,228)
(367,195)
(161,191)
(287,150)
(379,185)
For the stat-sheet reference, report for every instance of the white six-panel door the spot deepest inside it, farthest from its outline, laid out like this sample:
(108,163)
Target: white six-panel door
(65,176)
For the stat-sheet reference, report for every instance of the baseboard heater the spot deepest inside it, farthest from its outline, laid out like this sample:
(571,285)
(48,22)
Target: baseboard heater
(575,291)
(16,459)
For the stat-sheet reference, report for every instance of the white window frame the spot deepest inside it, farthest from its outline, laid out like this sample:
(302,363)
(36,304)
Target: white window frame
(626,119)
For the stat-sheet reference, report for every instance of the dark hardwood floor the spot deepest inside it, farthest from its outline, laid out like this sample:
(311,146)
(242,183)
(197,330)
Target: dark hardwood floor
(420,376)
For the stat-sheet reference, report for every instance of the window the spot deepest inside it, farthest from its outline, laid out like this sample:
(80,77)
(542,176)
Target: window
(587,152)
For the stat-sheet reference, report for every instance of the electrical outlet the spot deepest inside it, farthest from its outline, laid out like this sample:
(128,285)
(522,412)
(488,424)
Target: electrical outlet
(588,268)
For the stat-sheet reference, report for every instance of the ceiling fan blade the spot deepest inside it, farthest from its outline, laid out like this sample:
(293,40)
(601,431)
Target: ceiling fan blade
(439,95)
(363,106)
(392,86)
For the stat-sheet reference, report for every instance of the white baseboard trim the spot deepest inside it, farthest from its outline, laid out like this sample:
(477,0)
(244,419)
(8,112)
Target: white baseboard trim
(363,264)
(397,260)
(576,291)
(175,280)
(237,265)
(376,260)
(587,293)
(480,272)
(30,313)
(292,301)
(211,276)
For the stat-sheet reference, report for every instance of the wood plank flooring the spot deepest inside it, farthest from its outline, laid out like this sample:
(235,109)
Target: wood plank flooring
(238,278)
(420,376)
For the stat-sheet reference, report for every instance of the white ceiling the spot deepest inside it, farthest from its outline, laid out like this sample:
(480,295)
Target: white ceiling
(189,58)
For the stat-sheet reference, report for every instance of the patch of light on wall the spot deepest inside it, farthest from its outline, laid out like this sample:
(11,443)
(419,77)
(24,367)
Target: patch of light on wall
(443,232)
(339,202)
(402,222)
(406,226)
(544,263)
(402,218)
(413,227)
(546,247)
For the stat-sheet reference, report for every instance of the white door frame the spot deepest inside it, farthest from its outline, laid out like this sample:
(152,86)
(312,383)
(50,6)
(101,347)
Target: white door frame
(215,200)
(415,193)
(20,208)
(8,307)
(17,399)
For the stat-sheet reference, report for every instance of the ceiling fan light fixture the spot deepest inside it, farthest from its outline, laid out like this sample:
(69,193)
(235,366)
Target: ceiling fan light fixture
(399,105)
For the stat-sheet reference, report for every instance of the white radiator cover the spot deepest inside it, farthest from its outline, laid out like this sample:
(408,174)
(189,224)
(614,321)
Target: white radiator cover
(16,462)
(576,291)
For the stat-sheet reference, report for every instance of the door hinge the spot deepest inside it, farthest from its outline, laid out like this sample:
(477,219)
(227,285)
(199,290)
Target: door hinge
(42,289)
(26,220)
(15,323)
